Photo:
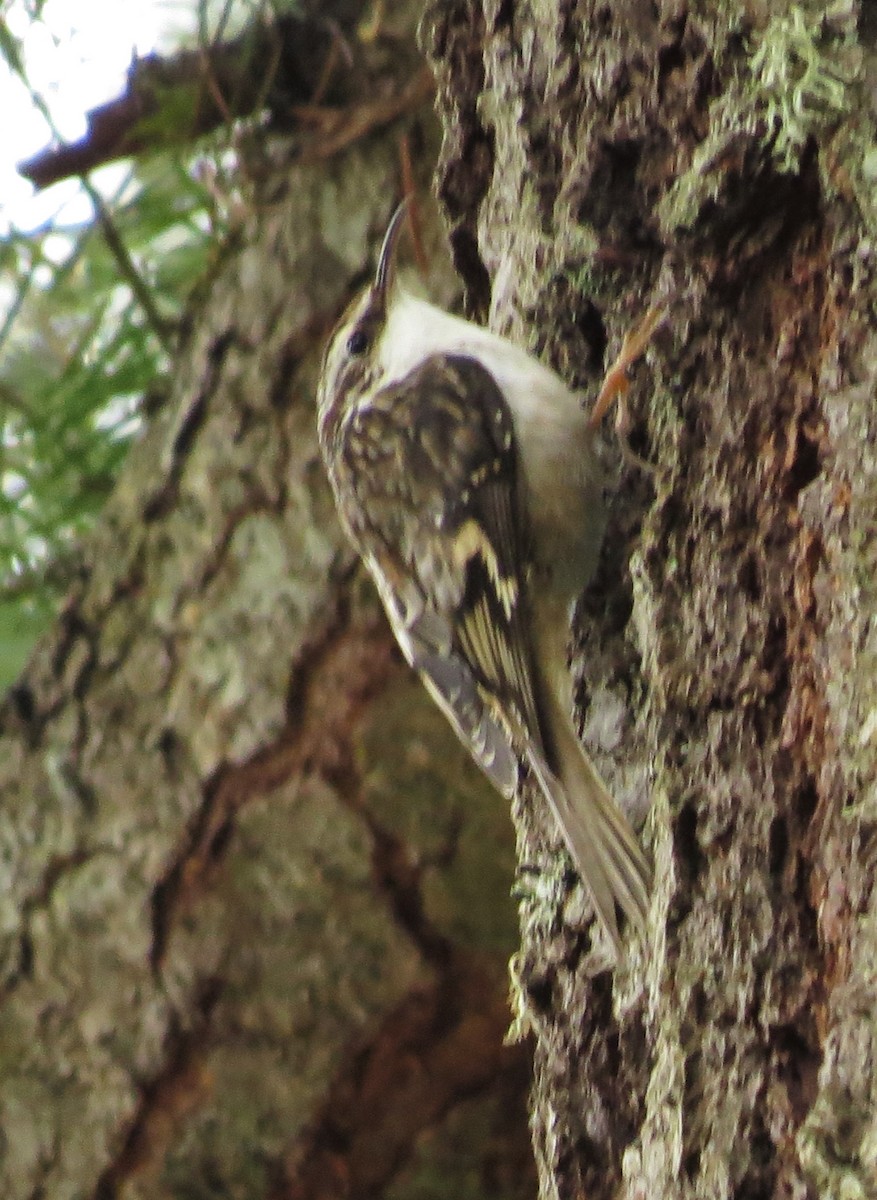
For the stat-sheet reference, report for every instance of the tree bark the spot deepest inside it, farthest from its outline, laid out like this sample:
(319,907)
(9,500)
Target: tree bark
(725,654)
(255,901)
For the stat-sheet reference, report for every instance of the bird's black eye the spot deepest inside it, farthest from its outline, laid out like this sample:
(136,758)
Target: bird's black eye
(357,343)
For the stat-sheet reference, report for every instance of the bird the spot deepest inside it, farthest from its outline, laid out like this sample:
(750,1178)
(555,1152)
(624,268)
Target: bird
(465,474)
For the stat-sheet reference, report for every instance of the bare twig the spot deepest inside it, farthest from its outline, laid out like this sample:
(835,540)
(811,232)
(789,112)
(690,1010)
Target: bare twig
(340,127)
(409,191)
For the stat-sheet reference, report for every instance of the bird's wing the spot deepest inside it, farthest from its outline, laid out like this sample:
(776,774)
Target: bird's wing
(439,520)
(442,531)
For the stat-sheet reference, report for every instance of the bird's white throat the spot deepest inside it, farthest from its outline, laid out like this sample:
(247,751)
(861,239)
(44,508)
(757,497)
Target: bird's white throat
(416,329)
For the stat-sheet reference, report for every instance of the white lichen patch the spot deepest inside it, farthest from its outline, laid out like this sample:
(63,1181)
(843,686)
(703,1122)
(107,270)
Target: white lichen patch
(801,76)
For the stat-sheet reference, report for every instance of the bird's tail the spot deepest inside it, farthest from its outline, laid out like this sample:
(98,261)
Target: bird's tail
(603,846)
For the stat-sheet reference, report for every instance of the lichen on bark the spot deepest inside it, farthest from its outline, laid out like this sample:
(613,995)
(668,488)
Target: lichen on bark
(639,150)
(227,966)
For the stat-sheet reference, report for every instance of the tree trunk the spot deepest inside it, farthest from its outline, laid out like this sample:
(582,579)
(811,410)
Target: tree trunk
(726,652)
(253,933)
(255,899)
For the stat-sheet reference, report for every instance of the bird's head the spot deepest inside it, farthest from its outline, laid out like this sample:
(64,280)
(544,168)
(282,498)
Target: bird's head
(351,362)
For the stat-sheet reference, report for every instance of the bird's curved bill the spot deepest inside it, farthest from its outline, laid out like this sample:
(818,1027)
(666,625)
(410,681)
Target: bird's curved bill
(386,261)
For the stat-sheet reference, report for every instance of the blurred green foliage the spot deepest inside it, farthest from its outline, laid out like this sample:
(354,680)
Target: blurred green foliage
(88,315)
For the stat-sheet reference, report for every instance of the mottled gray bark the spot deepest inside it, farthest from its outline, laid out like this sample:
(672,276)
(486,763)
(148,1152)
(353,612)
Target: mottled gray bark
(598,156)
(255,899)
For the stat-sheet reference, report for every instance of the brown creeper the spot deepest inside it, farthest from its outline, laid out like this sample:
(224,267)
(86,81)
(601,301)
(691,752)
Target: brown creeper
(464,473)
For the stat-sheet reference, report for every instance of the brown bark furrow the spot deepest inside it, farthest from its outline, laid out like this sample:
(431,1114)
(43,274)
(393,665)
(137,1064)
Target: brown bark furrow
(442,1044)
(337,673)
(181,1086)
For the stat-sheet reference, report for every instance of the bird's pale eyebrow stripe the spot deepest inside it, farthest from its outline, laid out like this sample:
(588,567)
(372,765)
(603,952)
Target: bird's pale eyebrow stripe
(470,541)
